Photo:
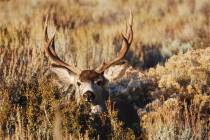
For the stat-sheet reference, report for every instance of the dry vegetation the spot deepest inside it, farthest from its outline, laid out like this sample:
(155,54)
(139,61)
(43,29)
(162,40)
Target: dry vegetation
(173,103)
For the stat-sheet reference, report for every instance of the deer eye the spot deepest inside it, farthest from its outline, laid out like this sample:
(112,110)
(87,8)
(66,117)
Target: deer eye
(99,82)
(78,83)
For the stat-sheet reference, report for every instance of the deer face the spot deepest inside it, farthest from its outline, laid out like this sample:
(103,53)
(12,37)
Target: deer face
(89,83)
(90,87)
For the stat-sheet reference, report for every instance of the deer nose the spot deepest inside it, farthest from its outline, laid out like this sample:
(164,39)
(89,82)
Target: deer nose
(89,96)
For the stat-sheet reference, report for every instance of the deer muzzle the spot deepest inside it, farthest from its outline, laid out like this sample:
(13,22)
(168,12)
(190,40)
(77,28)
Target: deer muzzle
(89,96)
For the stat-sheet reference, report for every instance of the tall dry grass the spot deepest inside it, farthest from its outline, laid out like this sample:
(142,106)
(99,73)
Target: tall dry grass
(87,33)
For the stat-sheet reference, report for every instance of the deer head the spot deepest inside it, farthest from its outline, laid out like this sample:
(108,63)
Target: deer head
(89,83)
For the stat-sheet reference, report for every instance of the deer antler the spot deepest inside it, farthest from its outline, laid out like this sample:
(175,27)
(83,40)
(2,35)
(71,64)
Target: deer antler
(127,40)
(50,51)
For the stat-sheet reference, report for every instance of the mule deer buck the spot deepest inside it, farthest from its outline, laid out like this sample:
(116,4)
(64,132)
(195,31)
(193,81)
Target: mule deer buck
(89,83)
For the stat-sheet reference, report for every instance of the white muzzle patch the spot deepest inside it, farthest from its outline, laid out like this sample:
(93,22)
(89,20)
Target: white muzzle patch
(96,109)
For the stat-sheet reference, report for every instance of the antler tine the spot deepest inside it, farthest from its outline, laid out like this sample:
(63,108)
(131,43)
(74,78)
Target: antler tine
(45,29)
(56,61)
(127,40)
(46,35)
(130,30)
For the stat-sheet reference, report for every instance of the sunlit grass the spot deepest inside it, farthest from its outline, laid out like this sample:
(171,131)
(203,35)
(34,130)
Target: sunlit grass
(87,33)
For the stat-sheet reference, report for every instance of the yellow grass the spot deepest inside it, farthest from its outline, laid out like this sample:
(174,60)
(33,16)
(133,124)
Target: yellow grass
(171,33)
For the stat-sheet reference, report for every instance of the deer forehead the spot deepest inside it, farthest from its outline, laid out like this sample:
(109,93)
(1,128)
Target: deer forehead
(90,76)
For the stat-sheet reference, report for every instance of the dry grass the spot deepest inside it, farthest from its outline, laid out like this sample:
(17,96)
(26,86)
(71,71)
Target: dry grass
(87,32)
(183,110)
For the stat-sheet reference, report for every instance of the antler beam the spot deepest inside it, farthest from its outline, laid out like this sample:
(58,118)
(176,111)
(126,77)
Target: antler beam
(50,51)
(127,40)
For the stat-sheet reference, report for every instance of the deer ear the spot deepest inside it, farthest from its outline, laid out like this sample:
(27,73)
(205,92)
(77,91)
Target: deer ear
(64,75)
(116,71)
